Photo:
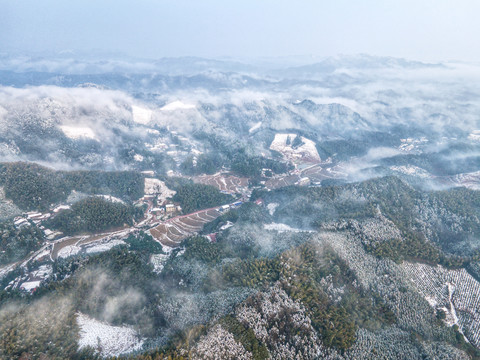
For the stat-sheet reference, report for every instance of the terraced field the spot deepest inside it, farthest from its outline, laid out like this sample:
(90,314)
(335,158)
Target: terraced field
(319,173)
(175,230)
(228,183)
(315,173)
(279,182)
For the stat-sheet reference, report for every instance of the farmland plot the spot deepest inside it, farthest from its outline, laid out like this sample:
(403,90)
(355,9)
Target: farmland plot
(223,182)
(174,231)
(319,173)
(279,182)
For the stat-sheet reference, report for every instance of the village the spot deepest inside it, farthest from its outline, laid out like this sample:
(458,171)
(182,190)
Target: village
(164,219)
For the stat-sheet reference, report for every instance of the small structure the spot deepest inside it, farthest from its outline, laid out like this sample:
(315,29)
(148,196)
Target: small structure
(223,208)
(33,215)
(304,181)
(169,208)
(19,222)
(157,211)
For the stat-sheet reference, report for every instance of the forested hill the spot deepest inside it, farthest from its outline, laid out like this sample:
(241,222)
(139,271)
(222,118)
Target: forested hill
(435,226)
(34,187)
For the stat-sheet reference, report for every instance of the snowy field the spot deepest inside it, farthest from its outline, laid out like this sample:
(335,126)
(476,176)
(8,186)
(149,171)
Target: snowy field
(155,186)
(107,339)
(412,170)
(68,251)
(76,132)
(307,151)
(158,261)
(177,105)
(101,247)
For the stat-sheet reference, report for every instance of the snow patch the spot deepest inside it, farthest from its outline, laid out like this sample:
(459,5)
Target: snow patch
(30,285)
(75,132)
(411,170)
(469,180)
(42,254)
(431,301)
(107,339)
(138,157)
(44,271)
(272,207)
(255,127)
(283,144)
(141,115)
(155,186)
(103,247)
(177,105)
(158,261)
(69,251)
(475,135)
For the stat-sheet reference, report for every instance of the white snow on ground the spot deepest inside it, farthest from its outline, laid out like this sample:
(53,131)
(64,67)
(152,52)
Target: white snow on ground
(30,285)
(76,132)
(42,254)
(411,170)
(43,271)
(60,208)
(410,144)
(475,135)
(255,127)
(112,340)
(103,247)
(141,115)
(282,228)
(6,269)
(307,151)
(158,261)
(69,251)
(431,301)
(111,198)
(177,105)
(271,207)
(469,180)
(155,186)
(138,157)
(226,226)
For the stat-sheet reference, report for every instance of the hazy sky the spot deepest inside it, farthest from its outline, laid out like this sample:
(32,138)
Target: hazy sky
(415,29)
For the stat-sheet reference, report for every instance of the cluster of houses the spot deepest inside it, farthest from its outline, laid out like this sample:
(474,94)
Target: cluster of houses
(163,210)
(166,210)
(224,208)
(26,219)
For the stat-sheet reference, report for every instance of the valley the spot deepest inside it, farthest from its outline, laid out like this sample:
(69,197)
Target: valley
(313,212)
